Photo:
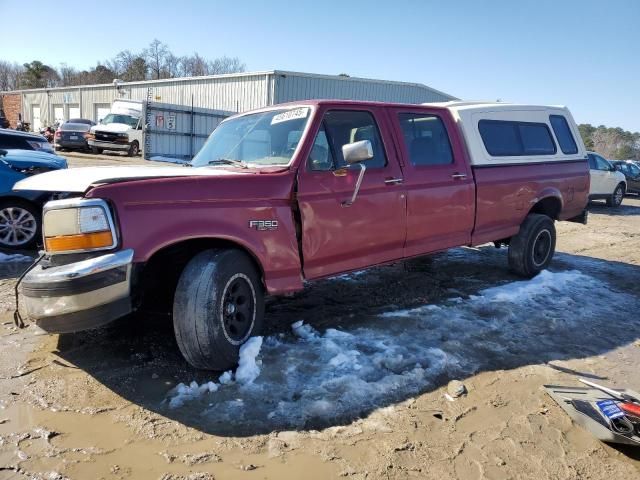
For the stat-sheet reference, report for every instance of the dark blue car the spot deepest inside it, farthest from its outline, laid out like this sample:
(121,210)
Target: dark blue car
(20,211)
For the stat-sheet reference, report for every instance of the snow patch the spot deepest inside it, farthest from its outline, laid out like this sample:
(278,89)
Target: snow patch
(313,378)
(248,369)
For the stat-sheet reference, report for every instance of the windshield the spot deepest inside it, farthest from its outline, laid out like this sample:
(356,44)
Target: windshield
(119,118)
(256,139)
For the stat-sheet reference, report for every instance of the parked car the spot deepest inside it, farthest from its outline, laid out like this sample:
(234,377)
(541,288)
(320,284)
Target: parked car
(606,182)
(120,129)
(72,135)
(82,120)
(20,212)
(300,192)
(631,172)
(14,139)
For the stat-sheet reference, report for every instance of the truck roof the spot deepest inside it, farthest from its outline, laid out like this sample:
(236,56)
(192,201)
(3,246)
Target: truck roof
(491,106)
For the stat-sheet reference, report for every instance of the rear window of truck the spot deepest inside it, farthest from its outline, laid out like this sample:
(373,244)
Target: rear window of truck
(563,134)
(514,139)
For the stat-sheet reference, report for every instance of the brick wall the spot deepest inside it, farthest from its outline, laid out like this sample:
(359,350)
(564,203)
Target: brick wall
(12,106)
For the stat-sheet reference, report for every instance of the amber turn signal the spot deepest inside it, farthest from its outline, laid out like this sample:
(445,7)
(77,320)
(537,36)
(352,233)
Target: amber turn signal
(83,241)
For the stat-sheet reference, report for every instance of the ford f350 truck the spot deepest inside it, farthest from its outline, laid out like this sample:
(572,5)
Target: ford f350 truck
(299,192)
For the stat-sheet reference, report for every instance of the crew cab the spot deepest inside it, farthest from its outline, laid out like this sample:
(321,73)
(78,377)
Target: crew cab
(120,129)
(299,192)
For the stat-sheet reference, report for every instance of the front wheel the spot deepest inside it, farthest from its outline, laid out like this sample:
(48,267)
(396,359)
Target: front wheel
(19,224)
(531,250)
(96,150)
(616,197)
(218,305)
(133,149)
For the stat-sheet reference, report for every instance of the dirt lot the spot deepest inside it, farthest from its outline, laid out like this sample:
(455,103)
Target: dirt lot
(358,390)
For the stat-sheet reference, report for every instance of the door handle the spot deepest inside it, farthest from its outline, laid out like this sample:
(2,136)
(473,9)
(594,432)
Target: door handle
(393,181)
(459,176)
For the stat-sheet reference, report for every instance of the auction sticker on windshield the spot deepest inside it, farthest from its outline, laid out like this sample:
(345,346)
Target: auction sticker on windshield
(294,114)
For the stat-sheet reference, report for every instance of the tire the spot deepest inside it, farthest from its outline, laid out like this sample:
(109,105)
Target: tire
(133,149)
(615,199)
(20,224)
(210,321)
(531,250)
(97,151)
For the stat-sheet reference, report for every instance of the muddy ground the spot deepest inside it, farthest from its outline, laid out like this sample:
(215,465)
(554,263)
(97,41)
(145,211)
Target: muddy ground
(95,404)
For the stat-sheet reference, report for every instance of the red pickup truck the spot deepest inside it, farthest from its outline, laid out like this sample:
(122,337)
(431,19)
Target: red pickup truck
(299,192)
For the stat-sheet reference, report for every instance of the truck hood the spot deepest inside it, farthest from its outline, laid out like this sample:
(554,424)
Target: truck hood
(80,179)
(111,127)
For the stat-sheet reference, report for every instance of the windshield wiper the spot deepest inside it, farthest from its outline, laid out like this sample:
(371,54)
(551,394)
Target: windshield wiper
(229,161)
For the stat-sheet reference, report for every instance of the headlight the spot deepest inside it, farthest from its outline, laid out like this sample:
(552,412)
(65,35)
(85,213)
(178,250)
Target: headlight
(123,135)
(77,225)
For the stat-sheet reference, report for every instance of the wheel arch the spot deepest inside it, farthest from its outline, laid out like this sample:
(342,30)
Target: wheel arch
(550,206)
(164,265)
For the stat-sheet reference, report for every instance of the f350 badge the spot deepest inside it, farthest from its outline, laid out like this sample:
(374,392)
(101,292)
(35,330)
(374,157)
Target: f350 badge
(262,225)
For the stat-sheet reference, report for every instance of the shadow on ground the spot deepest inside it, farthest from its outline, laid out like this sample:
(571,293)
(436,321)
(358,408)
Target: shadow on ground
(629,207)
(377,338)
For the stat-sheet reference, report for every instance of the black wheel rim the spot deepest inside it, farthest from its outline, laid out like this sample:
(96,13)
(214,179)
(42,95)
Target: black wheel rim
(238,308)
(541,247)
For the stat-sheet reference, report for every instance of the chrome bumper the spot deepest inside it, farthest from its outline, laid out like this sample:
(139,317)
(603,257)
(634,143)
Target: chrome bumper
(109,145)
(80,295)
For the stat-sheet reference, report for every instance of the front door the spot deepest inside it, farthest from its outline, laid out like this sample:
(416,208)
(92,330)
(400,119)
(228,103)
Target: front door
(338,236)
(603,181)
(439,183)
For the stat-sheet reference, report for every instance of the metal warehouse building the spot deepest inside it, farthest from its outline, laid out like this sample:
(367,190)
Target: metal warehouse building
(231,93)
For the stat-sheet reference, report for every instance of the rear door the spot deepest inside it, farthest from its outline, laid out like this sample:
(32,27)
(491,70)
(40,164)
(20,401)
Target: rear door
(437,178)
(336,236)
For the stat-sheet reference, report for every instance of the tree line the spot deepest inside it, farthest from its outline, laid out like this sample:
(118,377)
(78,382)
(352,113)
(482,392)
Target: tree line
(152,63)
(613,143)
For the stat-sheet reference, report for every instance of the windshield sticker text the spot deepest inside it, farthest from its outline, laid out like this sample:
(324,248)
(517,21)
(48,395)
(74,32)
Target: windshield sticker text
(294,114)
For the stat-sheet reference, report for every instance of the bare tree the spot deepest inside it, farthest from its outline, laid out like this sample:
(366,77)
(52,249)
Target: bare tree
(225,64)
(156,55)
(10,75)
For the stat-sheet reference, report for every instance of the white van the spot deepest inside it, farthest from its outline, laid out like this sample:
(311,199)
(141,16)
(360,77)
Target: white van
(120,129)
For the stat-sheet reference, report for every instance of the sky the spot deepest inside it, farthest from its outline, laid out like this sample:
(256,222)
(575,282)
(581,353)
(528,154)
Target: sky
(583,54)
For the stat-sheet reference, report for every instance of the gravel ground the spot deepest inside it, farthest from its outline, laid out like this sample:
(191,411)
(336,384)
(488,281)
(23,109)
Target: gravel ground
(95,404)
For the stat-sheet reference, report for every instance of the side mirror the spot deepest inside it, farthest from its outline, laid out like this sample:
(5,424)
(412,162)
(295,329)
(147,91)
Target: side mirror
(357,151)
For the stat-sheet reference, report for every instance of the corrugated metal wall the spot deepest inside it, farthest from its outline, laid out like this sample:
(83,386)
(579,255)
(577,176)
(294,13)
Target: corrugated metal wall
(229,93)
(235,93)
(294,86)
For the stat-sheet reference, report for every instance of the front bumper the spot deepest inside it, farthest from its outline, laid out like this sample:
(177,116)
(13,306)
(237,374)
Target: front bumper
(80,295)
(109,145)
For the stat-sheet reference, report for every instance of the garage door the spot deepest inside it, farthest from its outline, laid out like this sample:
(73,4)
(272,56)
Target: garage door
(74,111)
(102,109)
(58,114)
(35,118)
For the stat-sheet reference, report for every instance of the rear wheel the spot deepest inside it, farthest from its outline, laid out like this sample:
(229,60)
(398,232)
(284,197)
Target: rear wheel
(19,224)
(97,151)
(616,197)
(531,250)
(218,305)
